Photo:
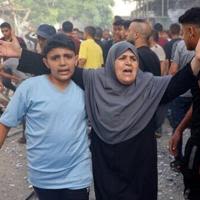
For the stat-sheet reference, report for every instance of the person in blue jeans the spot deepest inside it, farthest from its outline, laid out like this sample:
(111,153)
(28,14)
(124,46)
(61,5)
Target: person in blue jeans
(59,161)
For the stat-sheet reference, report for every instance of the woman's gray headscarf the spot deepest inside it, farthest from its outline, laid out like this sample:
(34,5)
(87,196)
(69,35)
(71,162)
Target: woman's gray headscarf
(118,112)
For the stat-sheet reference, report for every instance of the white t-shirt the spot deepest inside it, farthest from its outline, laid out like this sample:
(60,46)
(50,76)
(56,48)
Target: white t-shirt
(158,50)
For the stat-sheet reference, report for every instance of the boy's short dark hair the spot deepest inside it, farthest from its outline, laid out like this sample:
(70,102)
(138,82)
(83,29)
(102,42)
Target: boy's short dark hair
(59,40)
(67,27)
(117,18)
(90,30)
(155,35)
(191,16)
(99,32)
(126,24)
(175,29)
(158,27)
(5,25)
(119,22)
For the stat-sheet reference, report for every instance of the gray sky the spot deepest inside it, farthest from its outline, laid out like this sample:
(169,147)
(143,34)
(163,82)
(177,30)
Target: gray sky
(123,9)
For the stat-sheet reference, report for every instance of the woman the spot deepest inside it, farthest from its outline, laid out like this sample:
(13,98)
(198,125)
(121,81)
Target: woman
(121,102)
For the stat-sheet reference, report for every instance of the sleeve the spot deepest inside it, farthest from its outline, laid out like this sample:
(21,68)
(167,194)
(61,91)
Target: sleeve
(78,77)
(162,56)
(16,109)
(180,83)
(83,51)
(22,43)
(175,54)
(32,63)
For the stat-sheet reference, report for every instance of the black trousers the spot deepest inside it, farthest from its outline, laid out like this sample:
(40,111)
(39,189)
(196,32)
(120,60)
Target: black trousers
(62,194)
(190,170)
(179,107)
(7,82)
(127,170)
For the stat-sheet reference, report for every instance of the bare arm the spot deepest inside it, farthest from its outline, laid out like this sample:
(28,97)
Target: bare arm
(173,68)
(81,62)
(3,133)
(9,76)
(163,67)
(174,140)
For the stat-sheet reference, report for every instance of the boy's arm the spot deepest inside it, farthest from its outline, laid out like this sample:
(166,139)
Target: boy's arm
(3,133)
(15,111)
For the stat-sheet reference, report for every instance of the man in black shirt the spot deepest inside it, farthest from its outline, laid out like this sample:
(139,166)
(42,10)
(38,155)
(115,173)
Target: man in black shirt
(117,29)
(175,30)
(139,33)
(191,161)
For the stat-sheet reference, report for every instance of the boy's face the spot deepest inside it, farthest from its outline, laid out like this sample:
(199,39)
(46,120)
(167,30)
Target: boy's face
(61,62)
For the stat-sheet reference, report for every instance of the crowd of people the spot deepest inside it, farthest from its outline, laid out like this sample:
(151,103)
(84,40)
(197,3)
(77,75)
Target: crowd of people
(92,104)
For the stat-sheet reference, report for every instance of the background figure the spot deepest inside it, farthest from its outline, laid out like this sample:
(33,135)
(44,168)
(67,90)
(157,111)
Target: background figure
(125,31)
(175,34)
(117,34)
(139,33)
(106,35)
(162,39)
(44,32)
(90,54)
(67,28)
(6,30)
(159,51)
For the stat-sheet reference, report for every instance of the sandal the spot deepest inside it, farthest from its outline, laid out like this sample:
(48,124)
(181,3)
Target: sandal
(175,165)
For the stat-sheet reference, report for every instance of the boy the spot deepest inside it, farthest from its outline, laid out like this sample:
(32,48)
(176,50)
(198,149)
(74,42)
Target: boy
(59,165)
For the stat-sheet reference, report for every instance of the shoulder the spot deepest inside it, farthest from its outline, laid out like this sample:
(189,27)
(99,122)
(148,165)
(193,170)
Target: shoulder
(21,41)
(97,48)
(32,86)
(90,75)
(84,42)
(178,45)
(33,81)
(160,49)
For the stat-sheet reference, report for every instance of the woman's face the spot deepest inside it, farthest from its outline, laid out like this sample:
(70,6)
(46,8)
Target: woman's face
(126,67)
